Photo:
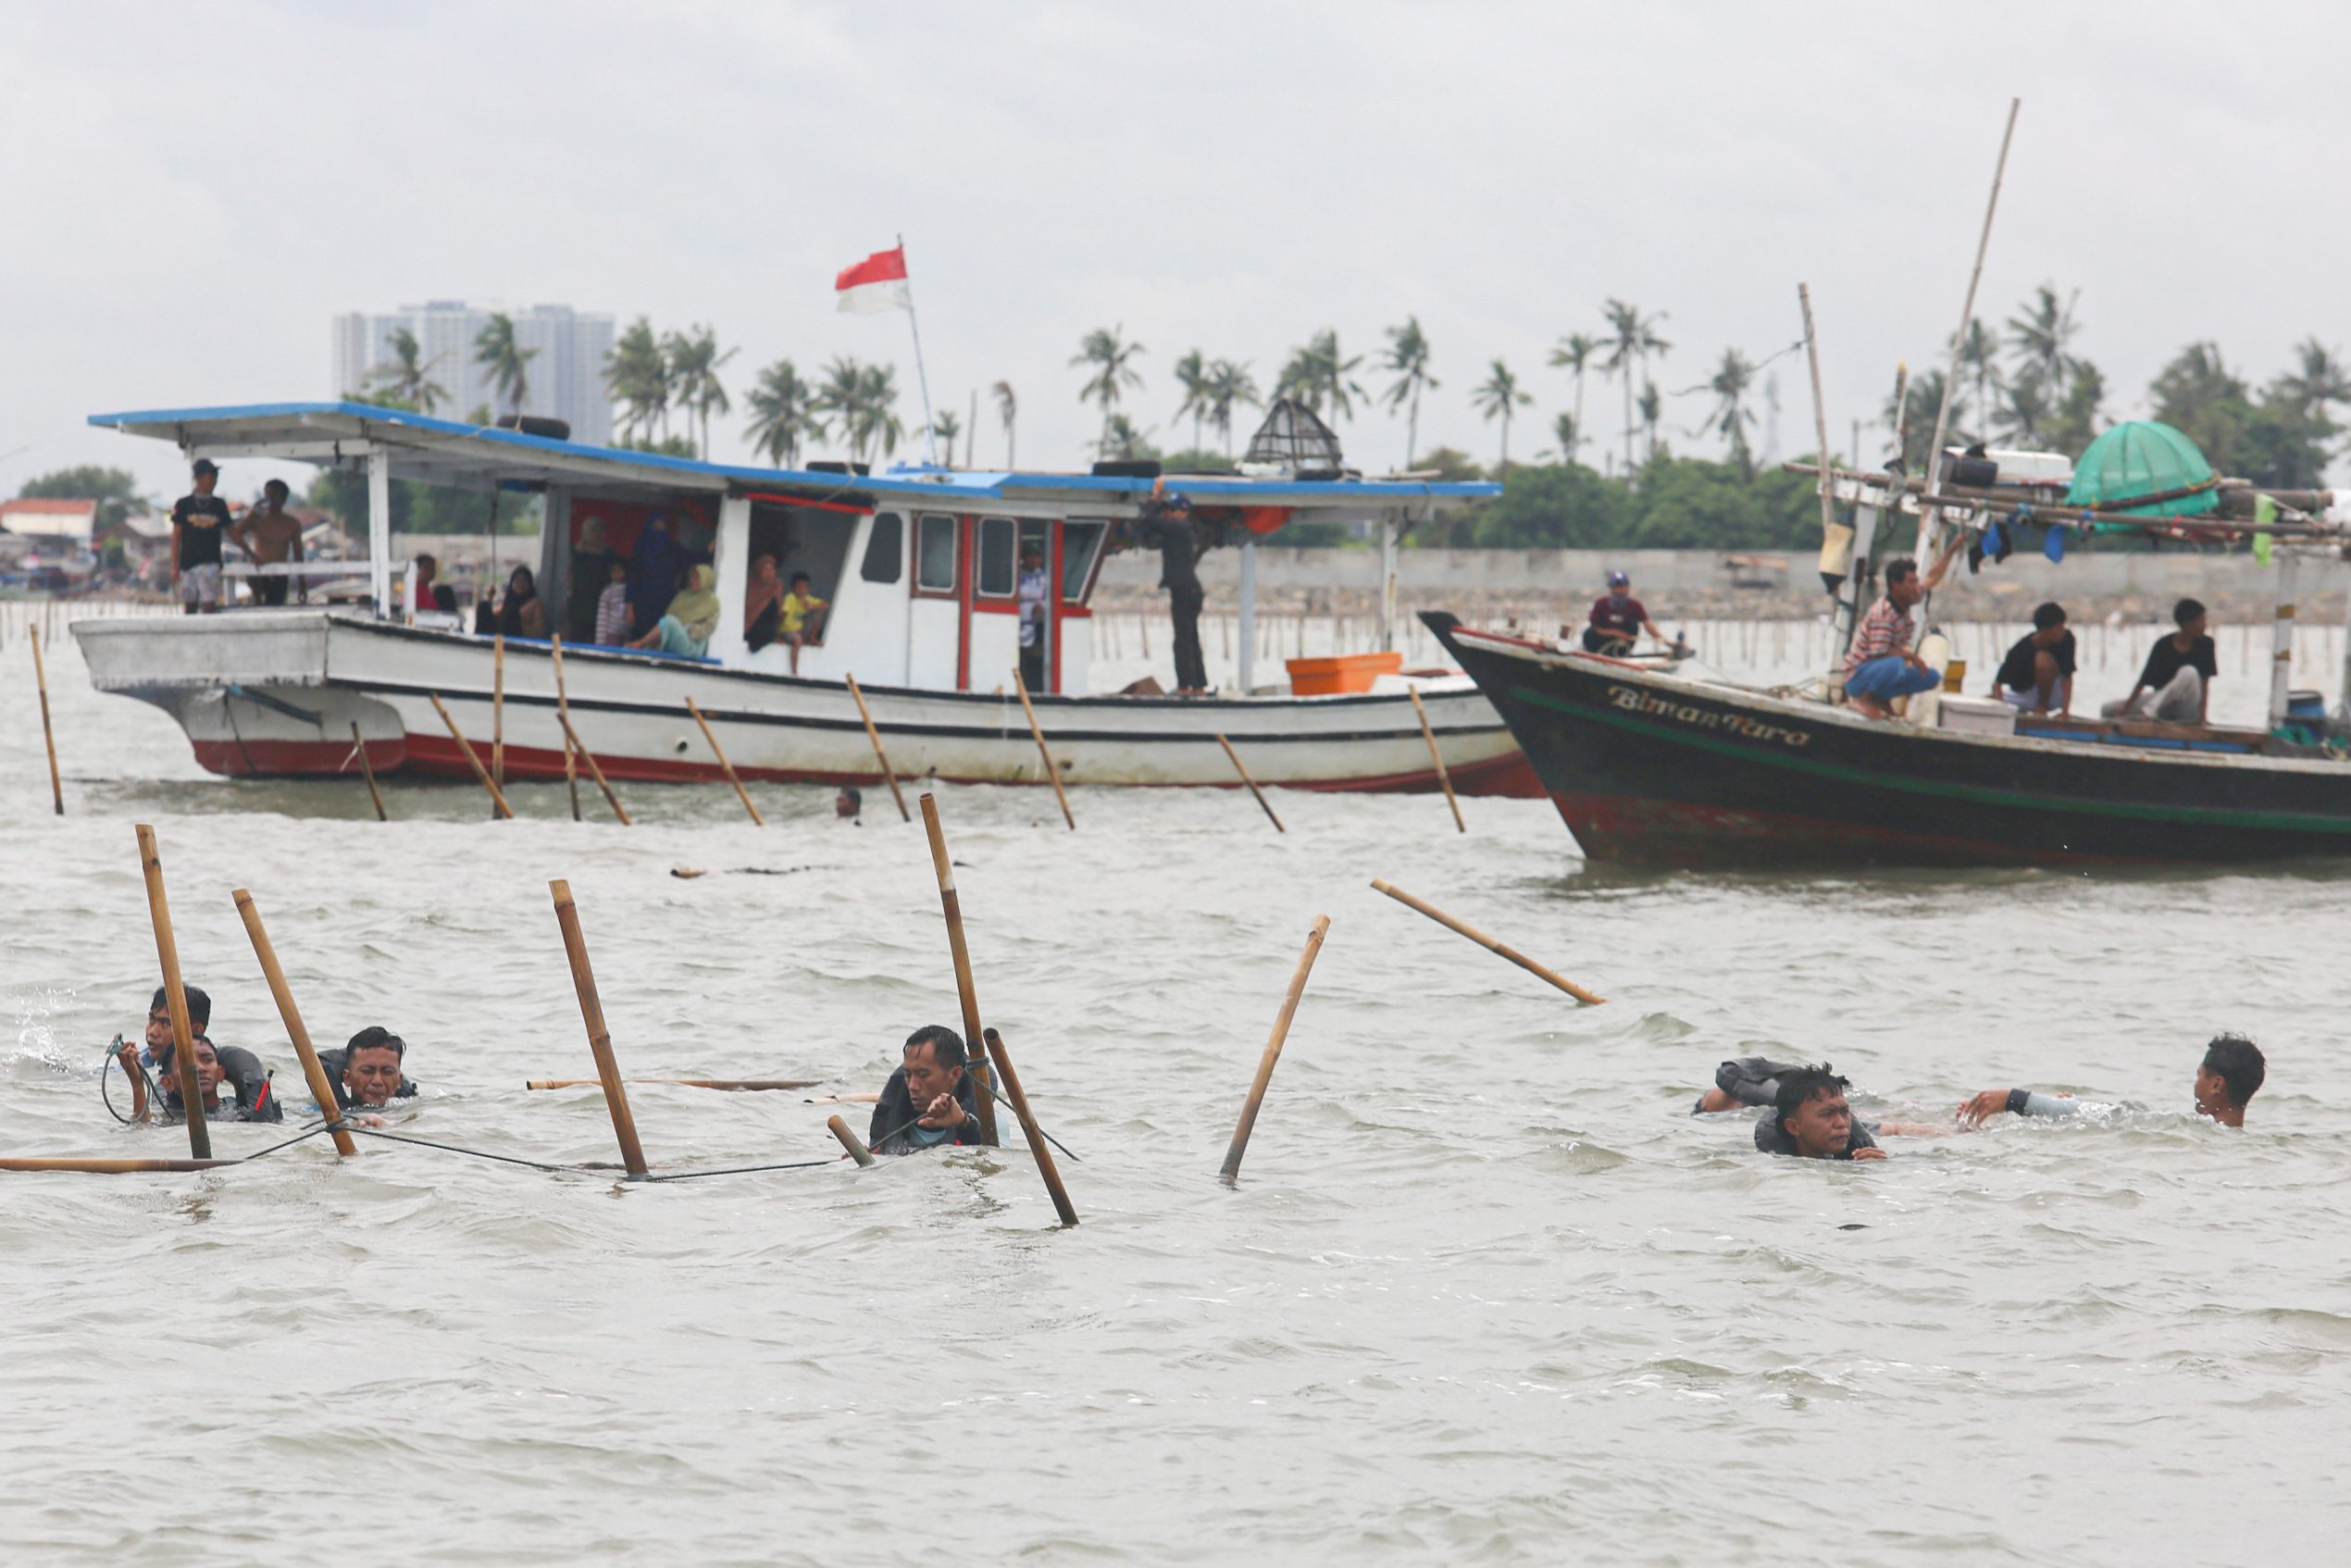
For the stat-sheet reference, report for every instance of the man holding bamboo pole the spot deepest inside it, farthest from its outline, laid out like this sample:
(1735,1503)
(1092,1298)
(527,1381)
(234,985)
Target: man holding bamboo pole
(929,1102)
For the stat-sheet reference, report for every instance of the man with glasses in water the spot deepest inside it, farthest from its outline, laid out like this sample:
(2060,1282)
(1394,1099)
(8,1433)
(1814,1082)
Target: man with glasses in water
(931,1100)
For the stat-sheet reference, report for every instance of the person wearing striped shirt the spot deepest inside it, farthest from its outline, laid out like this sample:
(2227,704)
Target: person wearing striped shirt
(1882,664)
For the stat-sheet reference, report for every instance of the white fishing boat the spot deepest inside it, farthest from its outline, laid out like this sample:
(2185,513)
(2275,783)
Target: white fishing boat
(920,567)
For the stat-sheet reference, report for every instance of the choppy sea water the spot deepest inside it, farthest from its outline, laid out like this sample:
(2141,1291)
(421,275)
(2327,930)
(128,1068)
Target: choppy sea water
(1484,1293)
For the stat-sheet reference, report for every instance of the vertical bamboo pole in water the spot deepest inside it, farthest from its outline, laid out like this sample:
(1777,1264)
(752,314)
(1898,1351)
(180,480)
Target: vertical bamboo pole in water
(48,736)
(1444,779)
(175,996)
(498,709)
(1045,1166)
(563,716)
(952,905)
(367,771)
(591,1013)
(1273,1053)
(724,766)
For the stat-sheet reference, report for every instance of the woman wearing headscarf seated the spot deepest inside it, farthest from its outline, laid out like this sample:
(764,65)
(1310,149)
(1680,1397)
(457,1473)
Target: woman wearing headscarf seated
(522,613)
(686,625)
(764,605)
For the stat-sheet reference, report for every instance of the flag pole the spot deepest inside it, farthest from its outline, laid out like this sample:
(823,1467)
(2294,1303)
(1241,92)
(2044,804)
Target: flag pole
(922,377)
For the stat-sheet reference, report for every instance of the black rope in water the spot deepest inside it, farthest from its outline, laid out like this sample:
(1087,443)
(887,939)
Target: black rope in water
(454,1148)
(298,1138)
(742,1170)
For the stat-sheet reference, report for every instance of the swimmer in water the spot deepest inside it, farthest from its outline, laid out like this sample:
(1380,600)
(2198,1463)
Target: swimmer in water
(1809,1119)
(930,1101)
(241,1070)
(369,1072)
(2227,1079)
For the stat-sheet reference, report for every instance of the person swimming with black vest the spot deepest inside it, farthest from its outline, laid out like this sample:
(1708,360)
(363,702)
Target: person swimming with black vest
(931,1100)
(253,1100)
(1809,1119)
(371,1071)
(2228,1077)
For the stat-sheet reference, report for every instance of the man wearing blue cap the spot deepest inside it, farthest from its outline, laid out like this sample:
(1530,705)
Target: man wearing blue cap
(1617,619)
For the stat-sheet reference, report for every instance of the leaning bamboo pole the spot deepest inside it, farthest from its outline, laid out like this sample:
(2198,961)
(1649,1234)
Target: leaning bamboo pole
(1273,1053)
(850,1140)
(571,737)
(497,796)
(367,771)
(314,1071)
(724,766)
(737,1086)
(563,716)
(1052,773)
(952,905)
(1488,944)
(175,996)
(1444,779)
(1242,768)
(498,709)
(107,1167)
(1045,1166)
(48,735)
(889,775)
(591,1013)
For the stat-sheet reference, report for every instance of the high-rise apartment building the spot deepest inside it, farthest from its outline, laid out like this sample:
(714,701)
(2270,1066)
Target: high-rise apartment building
(564,380)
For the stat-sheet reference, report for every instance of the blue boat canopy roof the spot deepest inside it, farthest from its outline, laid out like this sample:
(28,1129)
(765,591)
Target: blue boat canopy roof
(451,452)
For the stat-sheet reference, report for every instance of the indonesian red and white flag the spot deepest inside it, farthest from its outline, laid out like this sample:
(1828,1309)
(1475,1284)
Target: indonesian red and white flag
(879,282)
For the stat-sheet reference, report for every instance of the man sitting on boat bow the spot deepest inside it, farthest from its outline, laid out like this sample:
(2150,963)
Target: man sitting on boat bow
(1881,667)
(930,1101)
(1616,618)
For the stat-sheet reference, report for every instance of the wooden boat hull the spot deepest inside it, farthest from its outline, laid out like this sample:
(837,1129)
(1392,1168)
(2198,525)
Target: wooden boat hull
(1652,770)
(268,693)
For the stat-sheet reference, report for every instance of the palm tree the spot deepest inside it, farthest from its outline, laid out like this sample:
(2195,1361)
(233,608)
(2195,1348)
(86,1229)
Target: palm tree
(637,376)
(2317,382)
(1007,408)
(1111,355)
(1563,430)
(1191,374)
(1732,380)
(1407,360)
(945,427)
(1319,374)
(1652,410)
(1575,352)
(1636,338)
(1121,439)
(504,359)
(2042,335)
(784,414)
(1498,397)
(1230,385)
(878,430)
(1979,358)
(1914,416)
(842,399)
(404,378)
(2026,410)
(693,360)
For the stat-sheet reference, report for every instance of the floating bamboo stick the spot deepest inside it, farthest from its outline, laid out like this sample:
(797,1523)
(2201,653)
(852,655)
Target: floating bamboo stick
(498,709)
(1045,1166)
(1242,769)
(367,771)
(953,906)
(497,796)
(1488,944)
(1273,1048)
(48,735)
(873,735)
(563,716)
(724,766)
(175,996)
(591,1013)
(1052,773)
(322,1089)
(1443,778)
(850,1140)
(107,1167)
(735,1085)
(571,737)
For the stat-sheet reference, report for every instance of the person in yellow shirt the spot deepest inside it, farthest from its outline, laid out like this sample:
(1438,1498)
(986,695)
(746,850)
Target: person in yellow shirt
(801,618)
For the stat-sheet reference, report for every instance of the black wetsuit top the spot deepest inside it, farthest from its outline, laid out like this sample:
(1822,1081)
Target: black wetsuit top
(336,1060)
(892,1129)
(242,1072)
(1178,545)
(1771,1138)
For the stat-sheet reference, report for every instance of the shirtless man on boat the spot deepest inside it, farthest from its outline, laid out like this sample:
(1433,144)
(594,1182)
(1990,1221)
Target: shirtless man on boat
(930,1100)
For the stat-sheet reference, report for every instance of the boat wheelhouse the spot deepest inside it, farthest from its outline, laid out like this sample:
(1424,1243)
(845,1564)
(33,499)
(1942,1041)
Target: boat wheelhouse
(921,567)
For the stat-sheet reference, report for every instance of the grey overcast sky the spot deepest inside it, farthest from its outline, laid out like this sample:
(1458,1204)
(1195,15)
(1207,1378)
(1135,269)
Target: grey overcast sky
(194,189)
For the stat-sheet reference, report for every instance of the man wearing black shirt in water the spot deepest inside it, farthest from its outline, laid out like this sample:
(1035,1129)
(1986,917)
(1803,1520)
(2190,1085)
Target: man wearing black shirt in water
(930,1101)
(2176,685)
(198,520)
(2037,676)
(1810,1120)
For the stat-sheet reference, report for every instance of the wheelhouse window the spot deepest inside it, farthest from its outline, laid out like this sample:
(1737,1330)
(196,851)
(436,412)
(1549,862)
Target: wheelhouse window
(997,577)
(935,554)
(1081,552)
(885,548)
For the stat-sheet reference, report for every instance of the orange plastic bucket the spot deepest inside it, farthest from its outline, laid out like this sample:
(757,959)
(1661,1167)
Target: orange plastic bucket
(1340,672)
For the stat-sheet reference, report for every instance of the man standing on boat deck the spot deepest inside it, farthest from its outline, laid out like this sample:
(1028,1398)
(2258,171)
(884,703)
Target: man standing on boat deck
(1179,574)
(1882,665)
(1033,589)
(2037,676)
(198,519)
(2175,687)
(929,1102)
(270,536)
(1616,618)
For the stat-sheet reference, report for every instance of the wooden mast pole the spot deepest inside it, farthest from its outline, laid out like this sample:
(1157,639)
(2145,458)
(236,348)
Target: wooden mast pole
(1929,517)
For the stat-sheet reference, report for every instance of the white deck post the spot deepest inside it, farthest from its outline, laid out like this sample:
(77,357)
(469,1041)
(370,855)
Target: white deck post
(379,530)
(1245,632)
(1387,580)
(2282,636)
(2345,705)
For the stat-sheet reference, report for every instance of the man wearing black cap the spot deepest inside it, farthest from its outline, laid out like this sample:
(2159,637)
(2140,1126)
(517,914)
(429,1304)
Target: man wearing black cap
(1616,618)
(198,519)
(1178,553)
